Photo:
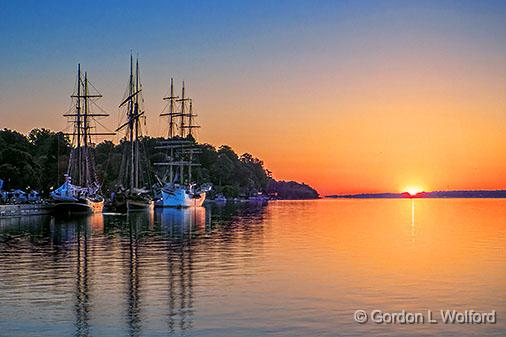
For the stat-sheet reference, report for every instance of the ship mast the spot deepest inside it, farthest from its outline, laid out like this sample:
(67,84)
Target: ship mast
(181,166)
(172,99)
(132,124)
(85,131)
(190,115)
(81,166)
(131,127)
(78,125)
(136,114)
(182,126)
(184,148)
(171,108)
(181,122)
(171,125)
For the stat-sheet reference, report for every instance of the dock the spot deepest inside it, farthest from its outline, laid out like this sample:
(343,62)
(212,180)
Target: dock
(24,209)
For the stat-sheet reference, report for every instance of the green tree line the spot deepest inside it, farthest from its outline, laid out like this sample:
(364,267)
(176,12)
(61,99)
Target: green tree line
(39,161)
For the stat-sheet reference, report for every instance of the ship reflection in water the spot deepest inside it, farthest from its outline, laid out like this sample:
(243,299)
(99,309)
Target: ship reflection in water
(289,268)
(116,274)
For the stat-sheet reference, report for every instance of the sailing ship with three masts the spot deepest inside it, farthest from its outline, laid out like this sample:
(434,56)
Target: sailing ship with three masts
(177,187)
(81,190)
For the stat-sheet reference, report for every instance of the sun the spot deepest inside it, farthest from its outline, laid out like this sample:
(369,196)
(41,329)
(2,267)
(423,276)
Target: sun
(413,190)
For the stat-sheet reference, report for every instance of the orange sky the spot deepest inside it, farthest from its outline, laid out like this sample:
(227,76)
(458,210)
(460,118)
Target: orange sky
(350,99)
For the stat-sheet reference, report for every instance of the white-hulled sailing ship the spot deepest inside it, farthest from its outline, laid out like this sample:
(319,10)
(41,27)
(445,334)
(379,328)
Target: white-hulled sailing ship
(177,188)
(133,191)
(80,193)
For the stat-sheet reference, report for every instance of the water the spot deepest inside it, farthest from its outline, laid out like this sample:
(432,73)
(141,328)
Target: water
(297,268)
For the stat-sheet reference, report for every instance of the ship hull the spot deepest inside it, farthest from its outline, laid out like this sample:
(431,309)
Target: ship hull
(181,199)
(138,205)
(124,203)
(80,206)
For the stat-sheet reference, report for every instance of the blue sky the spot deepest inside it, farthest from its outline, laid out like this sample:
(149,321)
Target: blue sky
(261,72)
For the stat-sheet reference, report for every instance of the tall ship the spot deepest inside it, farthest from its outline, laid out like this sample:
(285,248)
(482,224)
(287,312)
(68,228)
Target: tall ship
(80,193)
(133,188)
(177,187)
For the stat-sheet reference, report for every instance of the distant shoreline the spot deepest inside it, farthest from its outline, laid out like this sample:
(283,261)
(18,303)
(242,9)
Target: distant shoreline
(484,194)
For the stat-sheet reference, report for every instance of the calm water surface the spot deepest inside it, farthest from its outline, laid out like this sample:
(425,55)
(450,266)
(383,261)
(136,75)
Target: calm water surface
(287,269)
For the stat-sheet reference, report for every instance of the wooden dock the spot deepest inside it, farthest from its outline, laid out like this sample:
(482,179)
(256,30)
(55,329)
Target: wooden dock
(25,209)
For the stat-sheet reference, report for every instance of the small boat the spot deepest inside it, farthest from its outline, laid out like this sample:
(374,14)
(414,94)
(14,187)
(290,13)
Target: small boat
(220,198)
(80,193)
(258,198)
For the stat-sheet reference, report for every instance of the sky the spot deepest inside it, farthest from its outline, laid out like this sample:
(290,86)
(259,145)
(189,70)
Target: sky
(347,96)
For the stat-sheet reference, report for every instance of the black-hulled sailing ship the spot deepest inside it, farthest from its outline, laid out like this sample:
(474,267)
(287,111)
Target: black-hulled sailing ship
(177,187)
(80,193)
(132,192)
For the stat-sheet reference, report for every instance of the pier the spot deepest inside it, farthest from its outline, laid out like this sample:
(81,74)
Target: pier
(25,209)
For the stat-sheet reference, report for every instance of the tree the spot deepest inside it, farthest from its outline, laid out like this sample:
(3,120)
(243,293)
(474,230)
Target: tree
(50,151)
(40,160)
(19,169)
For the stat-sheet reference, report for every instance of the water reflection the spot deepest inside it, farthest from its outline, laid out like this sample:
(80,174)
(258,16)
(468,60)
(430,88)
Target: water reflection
(82,305)
(413,220)
(182,222)
(144,263)
(136,221)
(291,268)
(180,275)
(32,226)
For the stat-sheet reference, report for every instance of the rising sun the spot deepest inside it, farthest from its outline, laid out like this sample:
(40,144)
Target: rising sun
(413,190)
